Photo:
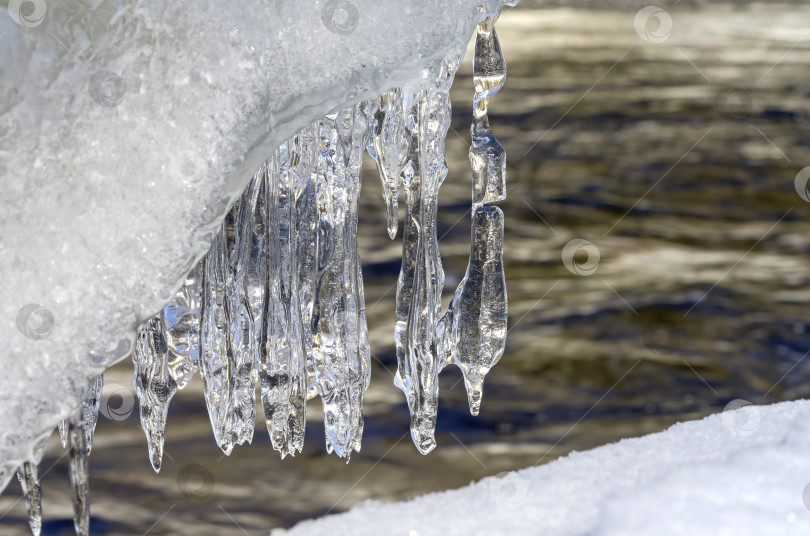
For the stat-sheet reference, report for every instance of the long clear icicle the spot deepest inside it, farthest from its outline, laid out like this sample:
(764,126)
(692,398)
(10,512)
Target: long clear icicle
(92,400)
(473,331)
(242,365)
(216,357)
(166,357)
(154,386)
(389,150)
(29,480)
(79,474)
(283,371)
(340,339)
(421,278)
(353,129)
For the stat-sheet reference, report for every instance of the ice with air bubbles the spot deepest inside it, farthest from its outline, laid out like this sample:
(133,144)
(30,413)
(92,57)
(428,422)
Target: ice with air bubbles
(200,215)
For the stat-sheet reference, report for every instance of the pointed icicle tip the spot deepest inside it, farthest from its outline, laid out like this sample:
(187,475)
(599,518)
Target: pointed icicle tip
(392,221)
(424,442)
(29,480)
(156,458)
(474,394)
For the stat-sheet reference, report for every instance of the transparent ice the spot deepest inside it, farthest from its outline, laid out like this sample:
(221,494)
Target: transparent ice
(277,300)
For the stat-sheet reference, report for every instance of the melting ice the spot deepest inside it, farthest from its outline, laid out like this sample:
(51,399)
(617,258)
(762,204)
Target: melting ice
(278,299)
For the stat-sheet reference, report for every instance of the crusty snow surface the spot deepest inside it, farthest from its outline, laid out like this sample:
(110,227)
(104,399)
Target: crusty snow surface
(737,473)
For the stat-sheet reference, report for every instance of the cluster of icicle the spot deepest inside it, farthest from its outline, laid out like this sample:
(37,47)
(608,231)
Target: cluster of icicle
(278,299)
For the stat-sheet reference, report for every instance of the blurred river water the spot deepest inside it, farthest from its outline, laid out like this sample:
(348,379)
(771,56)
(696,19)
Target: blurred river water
(671,154)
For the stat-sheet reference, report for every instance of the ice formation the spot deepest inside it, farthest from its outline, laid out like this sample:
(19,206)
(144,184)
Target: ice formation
(278,300)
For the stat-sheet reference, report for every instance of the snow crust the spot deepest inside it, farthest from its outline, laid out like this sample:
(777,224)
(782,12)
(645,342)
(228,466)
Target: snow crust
(127,128)
(742,472)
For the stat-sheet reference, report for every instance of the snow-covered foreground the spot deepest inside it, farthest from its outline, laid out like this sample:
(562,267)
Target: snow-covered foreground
(741,472)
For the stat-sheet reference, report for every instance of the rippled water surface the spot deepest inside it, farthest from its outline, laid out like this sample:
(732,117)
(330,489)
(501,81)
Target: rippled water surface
(676,161)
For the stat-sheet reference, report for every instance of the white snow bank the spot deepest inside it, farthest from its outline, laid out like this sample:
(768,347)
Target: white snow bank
(126,130)
(743,472)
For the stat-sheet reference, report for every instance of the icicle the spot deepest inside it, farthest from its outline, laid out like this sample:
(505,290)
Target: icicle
(353,130)
(166,356)
(302,268)
(215,349)
(63,433)
(253,259)
(243,367)
(487,156)
(473,331)
(29,481)
(90,409)
(154,386)
(339,369)
(79,475)
(181,325)
(284,380)
(489,66)
(422,278)
(307,158)
(390,149)
(90,405)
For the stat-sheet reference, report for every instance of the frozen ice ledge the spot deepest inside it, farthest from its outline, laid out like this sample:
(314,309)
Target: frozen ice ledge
(128,130)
